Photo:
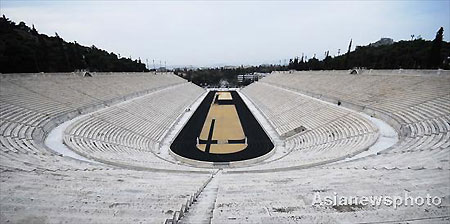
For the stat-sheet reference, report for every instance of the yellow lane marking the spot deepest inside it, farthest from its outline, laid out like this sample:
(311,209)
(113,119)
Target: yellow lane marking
(223,148)
(227,127)
(224,96)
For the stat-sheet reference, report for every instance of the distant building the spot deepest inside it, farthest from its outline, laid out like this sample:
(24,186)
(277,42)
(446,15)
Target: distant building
(161,69)
(230,67)
(255,76)
(236,66)
(224,84)
(383,41)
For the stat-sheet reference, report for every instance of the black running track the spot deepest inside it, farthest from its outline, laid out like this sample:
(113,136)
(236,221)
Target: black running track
(257,140)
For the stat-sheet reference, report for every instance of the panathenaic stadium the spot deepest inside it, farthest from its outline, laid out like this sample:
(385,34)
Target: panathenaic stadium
(294,147)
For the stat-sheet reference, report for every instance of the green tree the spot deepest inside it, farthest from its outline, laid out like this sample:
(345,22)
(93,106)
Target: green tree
(23,49)
(435,60)
(347,56)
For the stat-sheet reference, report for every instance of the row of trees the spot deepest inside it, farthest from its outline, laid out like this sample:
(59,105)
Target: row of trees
(23,49)
(412,54)
(213,76)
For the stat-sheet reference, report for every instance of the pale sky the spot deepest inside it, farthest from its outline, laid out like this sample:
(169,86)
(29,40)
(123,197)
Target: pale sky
(212,33)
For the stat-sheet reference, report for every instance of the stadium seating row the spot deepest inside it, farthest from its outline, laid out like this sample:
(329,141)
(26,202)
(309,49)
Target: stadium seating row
(329,132)
(32,104)
(288,196)
(102,195)
(415,104)
(420,104)
(40,186)
(130,133)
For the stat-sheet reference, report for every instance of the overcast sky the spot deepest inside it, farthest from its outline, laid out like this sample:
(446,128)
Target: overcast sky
(202,33)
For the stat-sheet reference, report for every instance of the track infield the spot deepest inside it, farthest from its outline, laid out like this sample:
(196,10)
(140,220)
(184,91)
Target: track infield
(222,129)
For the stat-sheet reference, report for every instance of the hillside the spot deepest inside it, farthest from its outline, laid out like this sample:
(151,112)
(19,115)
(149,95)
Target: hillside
(24,49)
(412,54)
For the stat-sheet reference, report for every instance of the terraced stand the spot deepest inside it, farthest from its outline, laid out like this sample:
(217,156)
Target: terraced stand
(101,195)
(40,186)
(415,103)
(126,117)
(328,134)
(288,196)
(128,134)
